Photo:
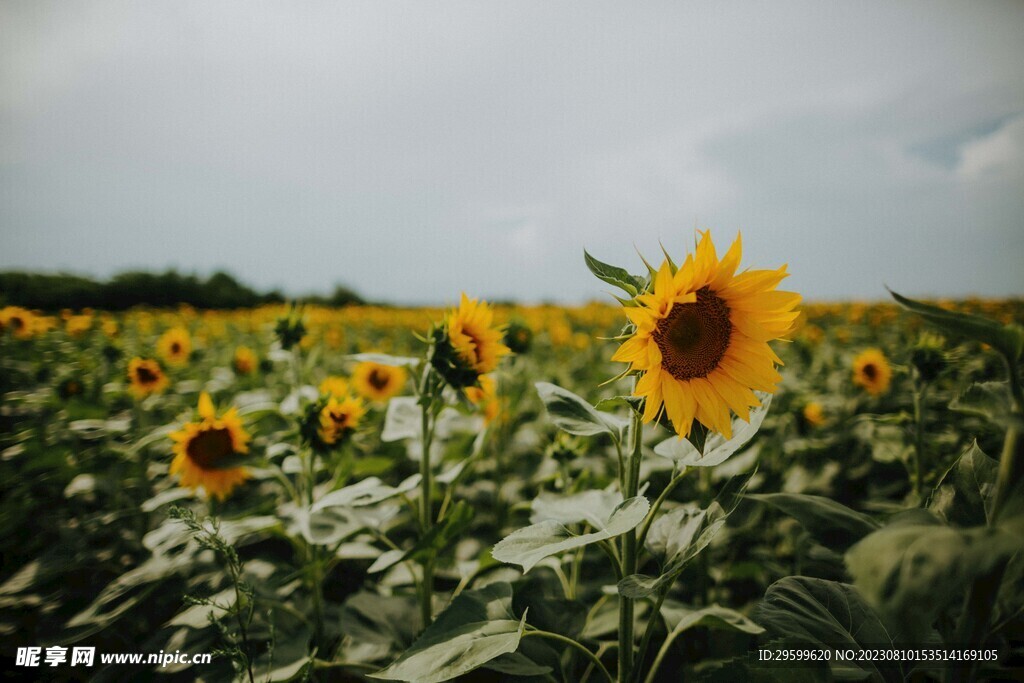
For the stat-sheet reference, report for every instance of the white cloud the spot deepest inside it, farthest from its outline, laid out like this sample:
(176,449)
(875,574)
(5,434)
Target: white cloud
(995,154)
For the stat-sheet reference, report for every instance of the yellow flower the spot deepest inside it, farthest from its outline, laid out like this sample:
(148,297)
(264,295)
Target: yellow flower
(19,321)
(334,386)
(146,377)
(474,337)
(78,325)
(200,446)
(872,372)
(175,345)
(245,360)
(486,397)
(814,414)
(377,382)
(340,417)
(701,339)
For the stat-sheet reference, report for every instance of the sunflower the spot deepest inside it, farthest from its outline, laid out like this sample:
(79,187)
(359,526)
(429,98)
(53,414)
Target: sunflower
(200,446)
(175,345)
(701,338)
(468,345)
(19,321)
(814,414)
(340,417)
(244,360)
(872,372)
(486,397)
(377,382)
(146,377)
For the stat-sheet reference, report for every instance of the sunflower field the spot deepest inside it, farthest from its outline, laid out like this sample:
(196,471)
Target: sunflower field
(705,478)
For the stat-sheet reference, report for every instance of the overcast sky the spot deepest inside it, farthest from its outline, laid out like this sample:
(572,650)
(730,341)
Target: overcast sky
(416,149)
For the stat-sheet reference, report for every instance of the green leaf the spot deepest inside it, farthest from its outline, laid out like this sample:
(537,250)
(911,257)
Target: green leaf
(384,359)
(615,276)
(717,449)
(439,537)
(990,400)
(679,618)
(369,491)
(675,538)
(910,571)
(832,524)
(805,612)
(964,495)
(588,507)
(526,547)
(1007,339)
(477,628)
(574,415)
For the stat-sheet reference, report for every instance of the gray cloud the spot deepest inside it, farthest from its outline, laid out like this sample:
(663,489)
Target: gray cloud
(414,150)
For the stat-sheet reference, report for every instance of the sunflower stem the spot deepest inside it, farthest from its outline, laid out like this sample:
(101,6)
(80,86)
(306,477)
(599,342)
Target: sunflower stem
(427,400)
(919,416)
(629,554)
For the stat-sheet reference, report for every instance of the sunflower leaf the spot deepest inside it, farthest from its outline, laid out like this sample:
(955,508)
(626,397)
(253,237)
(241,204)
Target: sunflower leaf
(477,627)
(614,275)
(1007,339)
(526,547)
(717,449)
(833,524)
(574,415)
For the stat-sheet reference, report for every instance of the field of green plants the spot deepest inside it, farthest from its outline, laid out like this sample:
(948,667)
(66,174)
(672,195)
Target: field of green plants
(621,492)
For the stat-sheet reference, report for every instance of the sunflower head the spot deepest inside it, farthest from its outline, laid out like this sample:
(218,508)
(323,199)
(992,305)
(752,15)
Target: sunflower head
(175,346)
(21,323)
(871,371)
(468,344)
(204,451)
(331,420)
(813,414)
(700,335)
(928,357)
(290,329)
(146,377)
(334,386)
(378,382)
(518,337)
(78,325)
(245,360)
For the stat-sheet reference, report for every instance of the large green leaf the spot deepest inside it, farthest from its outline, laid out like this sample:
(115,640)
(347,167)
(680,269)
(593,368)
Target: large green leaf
(717,449)
(910,571)
(804,612)
(964,495)
(832,524)
(476,628)
(529,546)
(1007,339)
(574,415)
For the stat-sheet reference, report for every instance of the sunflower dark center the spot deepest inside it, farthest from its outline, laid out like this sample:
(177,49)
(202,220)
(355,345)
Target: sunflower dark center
(341,420)
(145,375)
(378,380)
(695,336)
(209,446)
(17,323)
(175,348)
(870,371)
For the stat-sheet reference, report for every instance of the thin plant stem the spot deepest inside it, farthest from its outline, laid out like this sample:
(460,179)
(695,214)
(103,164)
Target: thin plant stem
(629,554)
(572,643)
(919,417)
